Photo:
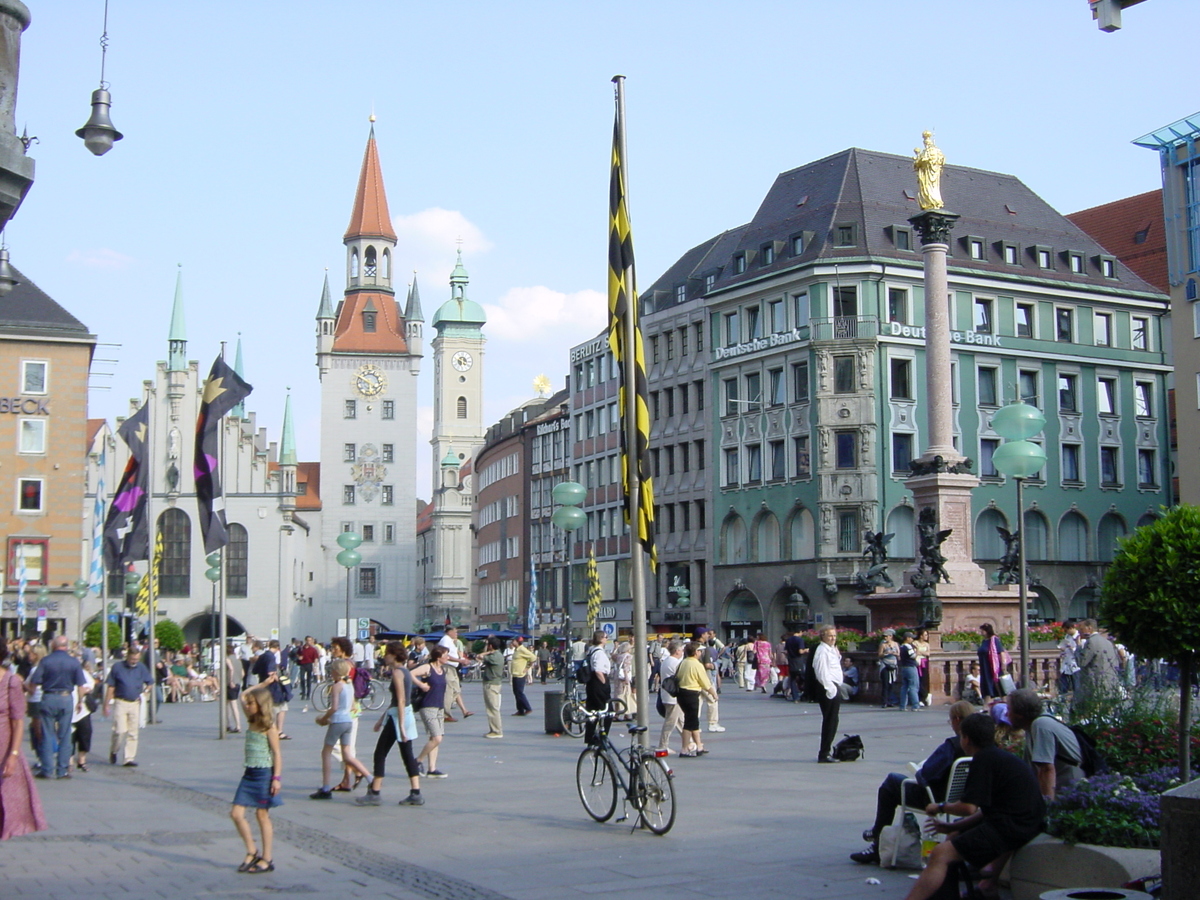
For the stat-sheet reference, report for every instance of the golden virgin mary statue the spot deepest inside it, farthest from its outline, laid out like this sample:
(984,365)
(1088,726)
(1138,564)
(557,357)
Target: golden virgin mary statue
(928,164)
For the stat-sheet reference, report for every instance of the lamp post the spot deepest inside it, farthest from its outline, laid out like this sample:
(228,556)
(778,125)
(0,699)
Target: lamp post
(1019,458)
(217,635)
(568,517)
(349,557)
(132,580)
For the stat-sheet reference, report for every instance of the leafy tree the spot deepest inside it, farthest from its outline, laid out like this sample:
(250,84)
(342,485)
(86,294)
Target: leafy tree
(1149,600)
(169,634)
(91,634)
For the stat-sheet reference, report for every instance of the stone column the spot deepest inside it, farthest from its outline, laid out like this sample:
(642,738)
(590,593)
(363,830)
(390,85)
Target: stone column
(16,169)
(933,226)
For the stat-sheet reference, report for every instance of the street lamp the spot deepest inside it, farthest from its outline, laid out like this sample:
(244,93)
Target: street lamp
(132,580)
(568,517)
(349,557)
(1018,457)
(98,132)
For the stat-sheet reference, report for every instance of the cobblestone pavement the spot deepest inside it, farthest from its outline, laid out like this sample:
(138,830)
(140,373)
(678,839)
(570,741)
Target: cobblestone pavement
(757,814)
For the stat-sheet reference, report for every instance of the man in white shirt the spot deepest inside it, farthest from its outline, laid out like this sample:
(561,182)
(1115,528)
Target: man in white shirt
(1068,665)
(599,688)
(827,669)
(451,662)
(245,653)
(578,648)
(673,720)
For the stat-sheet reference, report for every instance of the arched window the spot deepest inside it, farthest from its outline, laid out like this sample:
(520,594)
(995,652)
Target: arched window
(462,407)
(901,523)
(733,540)
(1072,538)
(1147,519)
(802,535)
(369,263)
(988,543)
(1034,534)
(386,270)
(354,264)
(237,553)
(1112,529)
(175,574)
(766,538)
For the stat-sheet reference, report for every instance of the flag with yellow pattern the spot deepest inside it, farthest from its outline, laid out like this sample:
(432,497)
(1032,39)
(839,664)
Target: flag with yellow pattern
(593,590)
(142,601)
(622,307)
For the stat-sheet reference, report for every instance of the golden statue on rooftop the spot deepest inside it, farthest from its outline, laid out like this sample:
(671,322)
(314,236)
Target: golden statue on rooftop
(928,164)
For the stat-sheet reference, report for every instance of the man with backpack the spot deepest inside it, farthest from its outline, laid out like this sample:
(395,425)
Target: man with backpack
(1051,748)
(594,670)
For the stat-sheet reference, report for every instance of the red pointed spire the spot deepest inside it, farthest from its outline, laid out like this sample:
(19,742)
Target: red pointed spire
(370,217)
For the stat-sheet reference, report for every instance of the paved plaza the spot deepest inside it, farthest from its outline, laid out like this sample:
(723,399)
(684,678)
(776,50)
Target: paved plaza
(757,816)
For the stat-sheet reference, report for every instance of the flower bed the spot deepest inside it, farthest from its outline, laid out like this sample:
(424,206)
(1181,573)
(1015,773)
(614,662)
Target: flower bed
(1112,810)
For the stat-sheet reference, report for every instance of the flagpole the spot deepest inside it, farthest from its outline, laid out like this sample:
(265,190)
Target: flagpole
(223,626)
(637,556)
(151,539)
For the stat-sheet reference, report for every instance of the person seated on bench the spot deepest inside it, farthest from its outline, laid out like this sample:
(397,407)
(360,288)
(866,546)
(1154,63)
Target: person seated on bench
(1002,807)
(1050,746)
(934,774)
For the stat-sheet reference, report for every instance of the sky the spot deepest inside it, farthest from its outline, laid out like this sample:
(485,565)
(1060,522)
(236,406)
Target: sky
(245,124)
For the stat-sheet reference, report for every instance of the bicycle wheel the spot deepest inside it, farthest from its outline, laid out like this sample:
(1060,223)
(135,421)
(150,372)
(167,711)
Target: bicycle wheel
(617,707)
(572,722)
(597,784)
(377,695)
(320,696)
(656,795)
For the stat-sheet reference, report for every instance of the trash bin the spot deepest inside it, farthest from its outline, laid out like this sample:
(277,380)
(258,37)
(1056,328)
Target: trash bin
(1094,893)
(553,701)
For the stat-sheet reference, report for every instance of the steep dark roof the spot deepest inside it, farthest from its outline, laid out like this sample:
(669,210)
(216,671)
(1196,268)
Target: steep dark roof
(1132,230)
(876,194)
(28,310)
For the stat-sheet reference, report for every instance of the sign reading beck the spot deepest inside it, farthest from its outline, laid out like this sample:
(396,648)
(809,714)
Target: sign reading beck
(24,406)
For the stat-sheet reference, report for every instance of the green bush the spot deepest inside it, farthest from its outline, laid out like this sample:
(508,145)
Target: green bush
(91,634)
(169,634)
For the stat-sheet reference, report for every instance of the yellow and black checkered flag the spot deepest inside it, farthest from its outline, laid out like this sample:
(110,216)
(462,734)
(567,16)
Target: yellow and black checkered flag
(142,601)
(593,590)
(623,312)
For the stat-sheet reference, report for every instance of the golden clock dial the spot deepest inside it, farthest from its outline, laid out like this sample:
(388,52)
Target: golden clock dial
(370,380)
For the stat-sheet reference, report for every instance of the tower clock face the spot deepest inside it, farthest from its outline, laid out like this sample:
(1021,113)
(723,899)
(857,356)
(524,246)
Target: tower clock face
(370,380)
(462,360)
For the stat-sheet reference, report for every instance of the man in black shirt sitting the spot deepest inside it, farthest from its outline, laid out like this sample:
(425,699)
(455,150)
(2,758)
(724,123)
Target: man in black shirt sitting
(1002,805)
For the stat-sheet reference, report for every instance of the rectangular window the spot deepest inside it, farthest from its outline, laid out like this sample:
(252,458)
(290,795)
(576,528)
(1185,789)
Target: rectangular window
(983,315)
(801,309)
(902,452)
(1103,329)
(389,409)
(778,387)
(987,449)
(389,534)
(988,395)
(683,399)
(903,239)
(731,466)
(1070,462)
(1141,332)
(1076,261)
(800,382)
(32,436)
(32,553)
(1143,399)
(653,351)
(1010,254)
(685,457)
(1064,324)
(33,376)
(845,302)
(389,453)
(801,457)
(846,449)
(350,410)
(368,581)
(669,337)
(754,395)
(754,463)
(698,334)
(347,495)
(700,458)
(843,374)
(975,246)
(778,461)
(387,495)
(731,397)
(739,263)
(901,379)
(753,323)
(848,531)
(1106,396)
(683,341)
(670,393)
(1025,320)
(797,244)
(710,281)
(778,316)
(1043,259)
(766,254)
(368,534)
(898,305)
(733,333)
(1108,268)
(670,454)
(1147,475)
(685,514)
(1109,466)
(589,417)
(349,452)
(1068,394)
(1027,384)
(844,235)
(29,494)
(680,293)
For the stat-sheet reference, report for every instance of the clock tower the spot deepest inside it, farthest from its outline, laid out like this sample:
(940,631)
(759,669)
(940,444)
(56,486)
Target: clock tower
(367,351)
(457,435)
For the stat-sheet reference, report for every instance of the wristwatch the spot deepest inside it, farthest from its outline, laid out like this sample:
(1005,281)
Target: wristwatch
(941,807)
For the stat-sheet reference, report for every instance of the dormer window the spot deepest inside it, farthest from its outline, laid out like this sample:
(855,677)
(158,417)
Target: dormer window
(766,255)
(369,265)
(739,263)
(369,321)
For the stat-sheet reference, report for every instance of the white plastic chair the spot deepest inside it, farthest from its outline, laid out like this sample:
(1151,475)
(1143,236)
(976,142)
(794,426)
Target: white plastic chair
(957,781)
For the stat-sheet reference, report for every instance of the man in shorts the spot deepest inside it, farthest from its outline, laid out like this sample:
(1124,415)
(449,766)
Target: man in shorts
(1001,803)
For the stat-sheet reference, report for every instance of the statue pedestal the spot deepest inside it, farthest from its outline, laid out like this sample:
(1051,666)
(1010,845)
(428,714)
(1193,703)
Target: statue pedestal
(949,494)
(963,609)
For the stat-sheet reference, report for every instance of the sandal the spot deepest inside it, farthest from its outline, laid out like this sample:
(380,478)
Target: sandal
(82,767)
(357,781)
(261,865)
(285,737)
(468,715)
(249,862)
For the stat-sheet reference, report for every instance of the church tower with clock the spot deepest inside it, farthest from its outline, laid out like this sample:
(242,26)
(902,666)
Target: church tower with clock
(368,349)
(457,434)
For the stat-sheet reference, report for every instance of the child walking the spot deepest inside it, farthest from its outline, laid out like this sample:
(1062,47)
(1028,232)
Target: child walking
(259,787)
(341,700)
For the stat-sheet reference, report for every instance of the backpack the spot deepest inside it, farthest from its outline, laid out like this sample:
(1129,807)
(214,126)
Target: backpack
(848,749)
(1091,760)
(362,682)
(670,684)
(584,673)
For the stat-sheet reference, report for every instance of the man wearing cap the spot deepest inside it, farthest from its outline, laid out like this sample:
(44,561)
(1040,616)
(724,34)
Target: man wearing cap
(61,677)
(522,659)
(127,681)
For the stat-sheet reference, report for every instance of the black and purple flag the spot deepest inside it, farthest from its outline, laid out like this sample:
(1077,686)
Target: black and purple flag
(223,390)
(126,531)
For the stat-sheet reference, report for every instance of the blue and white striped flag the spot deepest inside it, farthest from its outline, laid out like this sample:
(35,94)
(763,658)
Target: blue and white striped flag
(96,576)
(533,610)
(22,581)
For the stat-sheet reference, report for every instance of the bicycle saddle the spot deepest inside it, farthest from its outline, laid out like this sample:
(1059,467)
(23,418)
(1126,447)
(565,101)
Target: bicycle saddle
(637,729)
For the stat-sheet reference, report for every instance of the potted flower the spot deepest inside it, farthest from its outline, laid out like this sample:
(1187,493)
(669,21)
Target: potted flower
(954,641)
(1046,636)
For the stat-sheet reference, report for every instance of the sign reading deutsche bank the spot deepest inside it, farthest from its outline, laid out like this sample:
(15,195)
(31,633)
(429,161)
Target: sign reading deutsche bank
(765,343)
(956,337)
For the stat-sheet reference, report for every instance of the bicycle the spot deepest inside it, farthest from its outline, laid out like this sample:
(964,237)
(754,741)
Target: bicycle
(574,712)
(376,699)
(648,782)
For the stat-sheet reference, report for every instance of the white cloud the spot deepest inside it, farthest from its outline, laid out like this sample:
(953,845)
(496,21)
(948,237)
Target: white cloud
(427,241)
(103,258)
(532,313)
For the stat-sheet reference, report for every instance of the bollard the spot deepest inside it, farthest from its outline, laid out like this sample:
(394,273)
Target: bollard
(552,702)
